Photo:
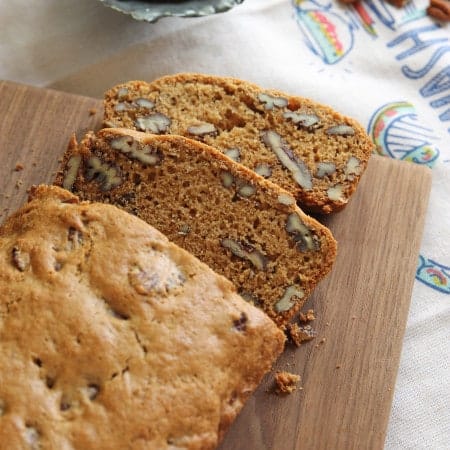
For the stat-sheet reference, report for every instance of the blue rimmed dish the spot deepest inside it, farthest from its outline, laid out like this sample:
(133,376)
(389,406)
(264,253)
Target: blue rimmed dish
(151,11)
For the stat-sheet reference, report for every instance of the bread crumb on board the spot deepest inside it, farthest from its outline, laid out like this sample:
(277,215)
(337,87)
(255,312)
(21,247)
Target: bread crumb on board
(92,111)
(321,342)
(300,334)
(308,316)
(286,382)
(19,166)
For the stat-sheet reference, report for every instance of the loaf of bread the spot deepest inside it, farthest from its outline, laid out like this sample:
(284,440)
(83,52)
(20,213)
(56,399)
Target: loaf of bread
(308,149)
(113,338)
(243,226)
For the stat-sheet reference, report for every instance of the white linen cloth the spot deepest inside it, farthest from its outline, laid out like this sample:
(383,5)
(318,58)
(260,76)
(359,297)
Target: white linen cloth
(389,68)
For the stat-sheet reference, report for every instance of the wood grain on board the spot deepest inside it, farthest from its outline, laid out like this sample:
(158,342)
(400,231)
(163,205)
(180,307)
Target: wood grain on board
(35,128)
(348,371)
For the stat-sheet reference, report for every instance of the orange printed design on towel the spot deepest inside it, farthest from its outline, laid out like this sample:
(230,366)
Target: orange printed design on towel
(433,274)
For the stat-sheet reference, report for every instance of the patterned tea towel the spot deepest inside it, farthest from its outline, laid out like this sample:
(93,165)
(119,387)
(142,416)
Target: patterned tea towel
(394,68)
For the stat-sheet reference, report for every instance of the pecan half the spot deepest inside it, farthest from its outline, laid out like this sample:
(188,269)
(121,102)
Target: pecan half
(301,234)
(289,298)
(156,123)
(246,251)
(295,165)
(303,120)
(71,172)
(439,9)
(103,173)
(271,101)
(135,150)
(202,129)
(20,260)
(341,130)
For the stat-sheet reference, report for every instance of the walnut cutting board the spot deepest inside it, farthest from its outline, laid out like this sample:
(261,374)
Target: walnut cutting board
(348,372)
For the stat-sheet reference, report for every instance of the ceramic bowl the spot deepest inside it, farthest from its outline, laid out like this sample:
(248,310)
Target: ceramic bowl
(151,11)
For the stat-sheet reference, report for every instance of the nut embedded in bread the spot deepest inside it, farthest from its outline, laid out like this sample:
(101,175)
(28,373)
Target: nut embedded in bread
(243,226)
(111,337)
(312,151)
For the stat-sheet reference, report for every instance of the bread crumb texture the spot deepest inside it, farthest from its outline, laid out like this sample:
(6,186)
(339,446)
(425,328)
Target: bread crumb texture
(111,337)
(243,226)
(312,151)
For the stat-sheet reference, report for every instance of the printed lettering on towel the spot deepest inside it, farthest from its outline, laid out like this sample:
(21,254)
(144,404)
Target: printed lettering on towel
(429,43)
(420,46)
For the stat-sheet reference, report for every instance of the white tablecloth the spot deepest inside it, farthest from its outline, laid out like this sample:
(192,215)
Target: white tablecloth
(389,68)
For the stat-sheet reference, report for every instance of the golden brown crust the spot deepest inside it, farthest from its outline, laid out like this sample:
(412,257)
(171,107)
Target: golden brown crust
(111,337)
(312,151)
(243,226)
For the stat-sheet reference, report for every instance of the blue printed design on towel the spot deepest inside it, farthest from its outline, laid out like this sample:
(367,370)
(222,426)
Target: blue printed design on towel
(328,27)
(398,132)
(326,33)
(433,274)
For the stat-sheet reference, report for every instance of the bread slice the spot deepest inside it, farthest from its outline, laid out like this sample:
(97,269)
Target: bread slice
(308,149)
(243,226)
(111,337)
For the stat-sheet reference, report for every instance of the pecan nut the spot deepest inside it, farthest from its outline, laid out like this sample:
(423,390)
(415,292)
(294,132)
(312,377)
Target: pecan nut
(439,9)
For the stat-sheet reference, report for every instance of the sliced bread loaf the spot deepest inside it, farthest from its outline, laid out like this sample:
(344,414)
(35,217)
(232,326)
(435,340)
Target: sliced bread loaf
(113,338)
(307,148)
(243,226)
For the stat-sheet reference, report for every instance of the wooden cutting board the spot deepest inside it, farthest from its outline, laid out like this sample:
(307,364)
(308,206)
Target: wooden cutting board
(348,372)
